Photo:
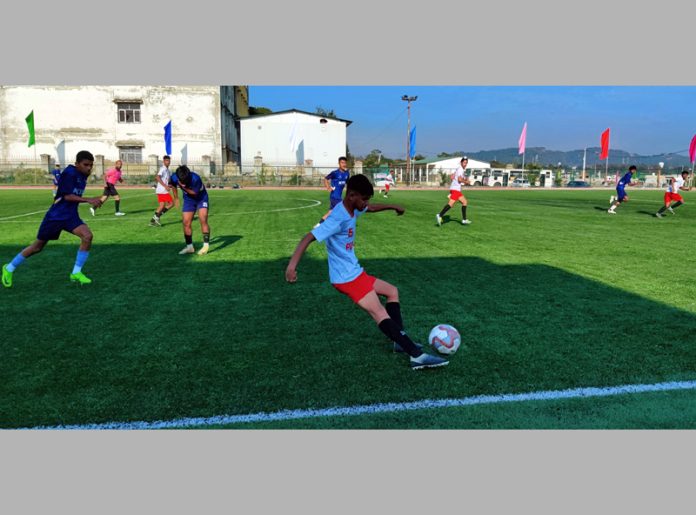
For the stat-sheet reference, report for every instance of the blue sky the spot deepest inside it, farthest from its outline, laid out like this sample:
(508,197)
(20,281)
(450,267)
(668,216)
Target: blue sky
(643,119)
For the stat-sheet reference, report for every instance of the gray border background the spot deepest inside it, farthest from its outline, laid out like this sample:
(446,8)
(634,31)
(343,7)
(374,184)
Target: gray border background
(360,43)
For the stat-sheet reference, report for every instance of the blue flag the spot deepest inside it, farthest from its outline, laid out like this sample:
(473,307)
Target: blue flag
(168,138)
(412,144)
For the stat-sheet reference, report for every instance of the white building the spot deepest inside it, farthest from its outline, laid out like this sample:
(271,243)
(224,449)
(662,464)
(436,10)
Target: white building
(449,164)
(288,138)
(122,122)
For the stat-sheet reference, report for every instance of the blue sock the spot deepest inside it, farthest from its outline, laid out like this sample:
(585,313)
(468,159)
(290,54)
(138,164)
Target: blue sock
(80,261)
(18,260)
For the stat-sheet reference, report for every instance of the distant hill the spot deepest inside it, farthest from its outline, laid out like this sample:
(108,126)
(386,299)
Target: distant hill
(571,158)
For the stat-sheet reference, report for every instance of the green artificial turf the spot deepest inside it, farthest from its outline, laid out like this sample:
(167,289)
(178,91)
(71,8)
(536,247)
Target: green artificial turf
(548,290)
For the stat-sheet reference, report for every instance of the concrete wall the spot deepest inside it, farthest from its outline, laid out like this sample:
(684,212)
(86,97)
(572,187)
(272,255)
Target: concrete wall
(269,136)
(73,118)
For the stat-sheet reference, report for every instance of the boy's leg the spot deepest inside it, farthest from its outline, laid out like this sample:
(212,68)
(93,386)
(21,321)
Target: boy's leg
(205,229)
(9,268)
(186,219)
(464,202)
(85,235)
(393,307)
(389,327)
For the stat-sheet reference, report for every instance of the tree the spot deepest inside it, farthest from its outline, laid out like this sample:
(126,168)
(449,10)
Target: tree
(329,113)
(418,157)
(259,110)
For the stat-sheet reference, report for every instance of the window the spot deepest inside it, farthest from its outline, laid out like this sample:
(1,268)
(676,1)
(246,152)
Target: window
(130,154)
(128,113)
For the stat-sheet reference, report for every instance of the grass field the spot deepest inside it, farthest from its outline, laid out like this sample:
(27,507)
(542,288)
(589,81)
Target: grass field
(548,290)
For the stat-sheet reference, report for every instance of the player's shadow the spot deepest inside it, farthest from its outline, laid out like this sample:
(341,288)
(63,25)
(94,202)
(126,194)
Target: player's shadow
(446,219)
(605,209)
(649,213)
(166,337)
(218,243)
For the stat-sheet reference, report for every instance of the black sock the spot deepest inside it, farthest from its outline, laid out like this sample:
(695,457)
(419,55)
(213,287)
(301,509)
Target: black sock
(206,237)
(463,212)
(164,210)
(662,209)
(189,239)
(391,329)
(445,209)
(118,203)
(677,204)
(394,312)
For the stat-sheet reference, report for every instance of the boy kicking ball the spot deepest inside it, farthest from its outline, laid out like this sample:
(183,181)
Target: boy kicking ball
(348,277)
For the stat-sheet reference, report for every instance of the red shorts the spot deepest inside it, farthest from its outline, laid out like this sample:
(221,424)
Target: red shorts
(672,197)
(164,197)
(455,195)
(387,187)
(358,287)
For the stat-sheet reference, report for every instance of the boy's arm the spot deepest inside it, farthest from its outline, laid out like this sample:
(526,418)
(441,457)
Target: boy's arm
(94,201)
(291,270)
(374,208)
(327,184)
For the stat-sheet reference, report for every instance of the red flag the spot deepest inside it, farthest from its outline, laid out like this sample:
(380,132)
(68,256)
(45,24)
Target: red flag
(605,145)
(692,149)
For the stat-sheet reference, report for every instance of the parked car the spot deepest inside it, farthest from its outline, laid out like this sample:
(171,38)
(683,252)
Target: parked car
(520,183)
(579,184)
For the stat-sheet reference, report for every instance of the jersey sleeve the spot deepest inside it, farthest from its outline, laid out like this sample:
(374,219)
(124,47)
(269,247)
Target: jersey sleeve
(66,184)
(174,180)
(197,184)
(331,226)
(330,176)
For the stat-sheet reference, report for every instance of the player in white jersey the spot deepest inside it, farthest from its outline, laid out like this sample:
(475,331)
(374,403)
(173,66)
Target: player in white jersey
(458,178)
(672,194)
(164,196)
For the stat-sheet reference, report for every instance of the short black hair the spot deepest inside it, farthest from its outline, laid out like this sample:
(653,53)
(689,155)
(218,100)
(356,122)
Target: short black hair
(184,174)
(685,172)
(166,157)
(343,158)
(360,184)
(632,167)
(83,155)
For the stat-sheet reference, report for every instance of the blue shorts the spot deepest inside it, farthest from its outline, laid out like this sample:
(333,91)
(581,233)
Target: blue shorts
(193,205)
(621,194)
(333,202)
(51,229)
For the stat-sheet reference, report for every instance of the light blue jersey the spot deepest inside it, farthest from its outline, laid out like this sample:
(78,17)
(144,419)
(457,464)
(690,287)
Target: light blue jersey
(338,231)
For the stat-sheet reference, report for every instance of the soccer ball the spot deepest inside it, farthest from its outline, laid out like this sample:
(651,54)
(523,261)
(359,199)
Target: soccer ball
(445,339)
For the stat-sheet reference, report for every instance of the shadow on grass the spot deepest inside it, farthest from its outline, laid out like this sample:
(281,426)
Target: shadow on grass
(157,337)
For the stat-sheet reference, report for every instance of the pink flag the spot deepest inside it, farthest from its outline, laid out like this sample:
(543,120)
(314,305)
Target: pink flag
(692,149)
(523,139)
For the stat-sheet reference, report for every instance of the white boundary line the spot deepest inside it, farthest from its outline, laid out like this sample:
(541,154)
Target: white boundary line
(213,214)
(547,395)
(44,210)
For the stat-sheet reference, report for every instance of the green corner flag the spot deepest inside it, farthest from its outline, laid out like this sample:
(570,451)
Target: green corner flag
(30,125)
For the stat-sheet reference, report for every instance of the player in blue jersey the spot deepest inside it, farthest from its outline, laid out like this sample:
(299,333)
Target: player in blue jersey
(195,199)
(626,180)
(63,216)
(56,174)
(335,182)
(348,277)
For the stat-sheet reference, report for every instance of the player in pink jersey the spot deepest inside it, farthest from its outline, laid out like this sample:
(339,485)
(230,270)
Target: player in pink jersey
(111,177)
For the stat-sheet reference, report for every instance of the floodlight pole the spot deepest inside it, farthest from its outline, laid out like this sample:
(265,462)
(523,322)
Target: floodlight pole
(408,99)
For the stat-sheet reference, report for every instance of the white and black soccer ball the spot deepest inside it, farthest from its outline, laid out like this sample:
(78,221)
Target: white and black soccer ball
(445,339)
